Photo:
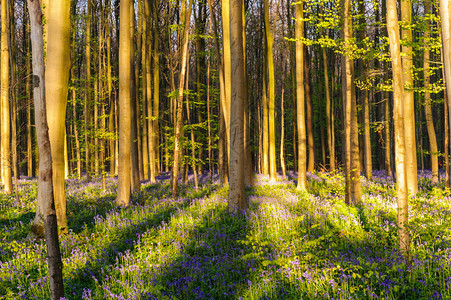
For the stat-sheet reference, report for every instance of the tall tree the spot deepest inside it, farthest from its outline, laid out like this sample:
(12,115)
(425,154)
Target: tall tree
(409,108)
(398,116)
(271,95)
(352,155)
(427,98)
(45,184)
(124,179)
(57,79)
(300,97)
(179,107)
(4,102)
(237,196)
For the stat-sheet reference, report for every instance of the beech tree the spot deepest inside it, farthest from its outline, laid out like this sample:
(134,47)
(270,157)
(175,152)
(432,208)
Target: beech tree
(124,178)
(237,196)
(4,102)
(46,210)
(57,78)
(399,122)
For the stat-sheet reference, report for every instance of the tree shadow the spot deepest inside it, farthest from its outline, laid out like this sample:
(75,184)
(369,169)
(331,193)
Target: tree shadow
(214,264)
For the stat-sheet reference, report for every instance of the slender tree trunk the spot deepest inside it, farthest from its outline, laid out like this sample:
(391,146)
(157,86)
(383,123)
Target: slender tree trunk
(329,112)
(282,129)
(135,183)
(46,205)
(265,126)
(57,82)
(445,6)
(124,180)
(409,109)
(308,107)
(237,196)
(4,102)
(179,109)
(446,143)
(367,137)
(398,116)
(353,188)
(427,100)
(271,96)
(156,92)
(88,93)
(300,97)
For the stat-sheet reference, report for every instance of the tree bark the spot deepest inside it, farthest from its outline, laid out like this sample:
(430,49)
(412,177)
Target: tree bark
(409,109)
(45,184)
(237,196)
(300,97)
(124,179)
(179,107)
(398,116)
(57,79)
(427,99)
(4,102)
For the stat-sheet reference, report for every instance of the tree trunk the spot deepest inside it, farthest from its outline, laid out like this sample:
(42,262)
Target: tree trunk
(237,196)
(271,97)
(124,179)
(179,107)
(409,109)
(45,185)
(427,100)
(4,102)
(398,116)
(57,79)
(300,97)
(353,188)
(308,107)
(445,7)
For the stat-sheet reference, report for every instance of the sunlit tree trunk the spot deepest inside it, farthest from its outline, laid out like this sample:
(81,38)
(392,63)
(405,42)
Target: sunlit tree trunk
(46,212)
(271,96)
(225,105)
(300,97)
(57,82)
(13,100)
(237,196)
(308,110)
(88,93)
(427,99)
(179,109)
(409,109)
(4,102)
(124,179)
(352,170)
(445,6)
(156,91)
(222,155)
(330,146)
(135,183)
(398,116)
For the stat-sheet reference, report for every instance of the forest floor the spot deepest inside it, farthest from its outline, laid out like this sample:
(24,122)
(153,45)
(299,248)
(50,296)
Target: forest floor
(289,245)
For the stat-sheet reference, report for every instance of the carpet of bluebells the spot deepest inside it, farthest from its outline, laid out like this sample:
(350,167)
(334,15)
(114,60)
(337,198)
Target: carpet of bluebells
(289,245)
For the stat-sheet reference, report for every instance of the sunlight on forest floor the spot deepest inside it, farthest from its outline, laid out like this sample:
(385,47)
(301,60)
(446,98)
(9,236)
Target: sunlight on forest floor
(289,245)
